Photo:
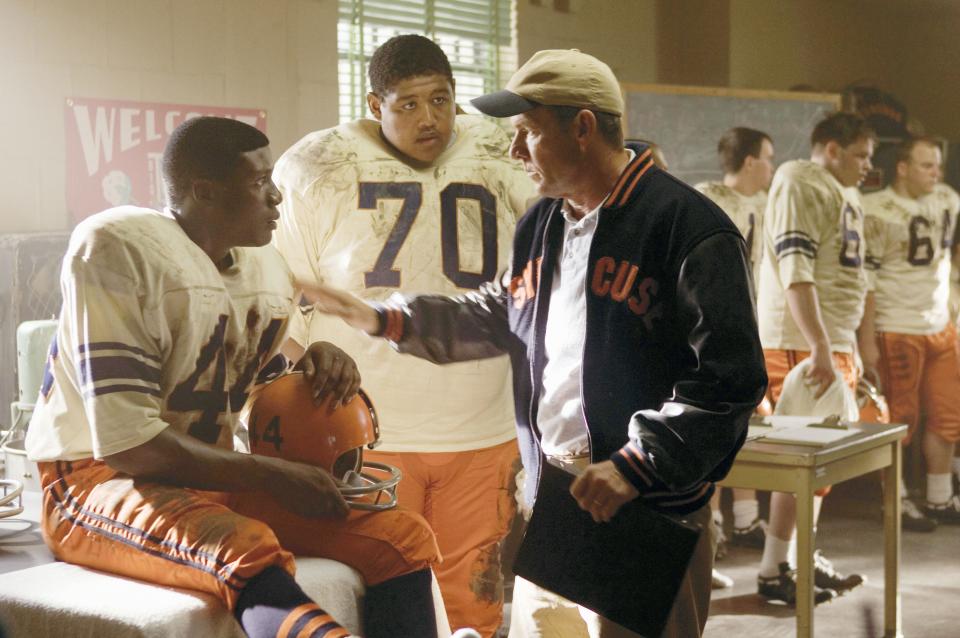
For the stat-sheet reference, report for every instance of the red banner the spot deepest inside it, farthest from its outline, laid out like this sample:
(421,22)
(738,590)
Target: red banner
(115,148)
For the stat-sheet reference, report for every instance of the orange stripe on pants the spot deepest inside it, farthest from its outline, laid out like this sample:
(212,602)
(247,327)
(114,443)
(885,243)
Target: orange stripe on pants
(99,518)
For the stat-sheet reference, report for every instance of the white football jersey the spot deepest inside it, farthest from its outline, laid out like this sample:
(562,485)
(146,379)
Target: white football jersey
(152,335)
(357,217)
(746,213)
(813,232)
(908,258)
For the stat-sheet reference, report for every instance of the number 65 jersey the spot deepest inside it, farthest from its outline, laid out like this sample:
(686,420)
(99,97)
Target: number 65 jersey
(813,233)
(357,217)
(151,335)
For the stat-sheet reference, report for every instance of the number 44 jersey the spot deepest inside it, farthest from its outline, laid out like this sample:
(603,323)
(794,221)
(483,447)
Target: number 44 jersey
(908,258)
(153,335)
(357,217)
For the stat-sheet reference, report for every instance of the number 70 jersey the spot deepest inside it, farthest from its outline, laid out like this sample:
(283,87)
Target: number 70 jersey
(357,217)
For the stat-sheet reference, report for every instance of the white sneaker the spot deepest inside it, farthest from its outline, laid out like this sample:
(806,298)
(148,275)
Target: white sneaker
(466,633)
(720,581)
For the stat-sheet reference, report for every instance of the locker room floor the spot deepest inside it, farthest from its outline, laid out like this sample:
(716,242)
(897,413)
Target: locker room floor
(851,535)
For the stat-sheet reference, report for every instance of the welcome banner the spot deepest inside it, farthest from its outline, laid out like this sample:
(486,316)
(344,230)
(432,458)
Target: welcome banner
(115,148)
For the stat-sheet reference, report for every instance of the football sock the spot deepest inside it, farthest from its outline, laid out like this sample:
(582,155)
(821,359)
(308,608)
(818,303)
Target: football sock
(745,512)
(272,604)
(939,488)
(401,606)
(775,551)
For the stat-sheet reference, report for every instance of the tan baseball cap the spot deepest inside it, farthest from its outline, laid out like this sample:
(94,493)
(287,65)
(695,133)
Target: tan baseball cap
(556,77)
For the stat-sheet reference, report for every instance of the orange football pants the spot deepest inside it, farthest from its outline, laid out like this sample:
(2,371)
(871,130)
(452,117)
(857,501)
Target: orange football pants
(213,542)
(467,498)
(780,362)
(922,370)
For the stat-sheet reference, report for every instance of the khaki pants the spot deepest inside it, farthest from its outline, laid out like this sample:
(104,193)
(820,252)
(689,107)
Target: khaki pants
(538,613)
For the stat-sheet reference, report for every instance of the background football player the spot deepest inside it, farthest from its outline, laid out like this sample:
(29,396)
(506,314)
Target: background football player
(426,199)
(812,288)
(907,335)
(746,156)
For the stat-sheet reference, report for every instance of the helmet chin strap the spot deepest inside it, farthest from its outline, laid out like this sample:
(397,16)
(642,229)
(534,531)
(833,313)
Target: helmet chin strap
(358,485)
(12,491)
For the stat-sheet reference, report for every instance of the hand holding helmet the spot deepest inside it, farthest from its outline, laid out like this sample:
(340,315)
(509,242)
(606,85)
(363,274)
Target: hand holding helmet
(285,422)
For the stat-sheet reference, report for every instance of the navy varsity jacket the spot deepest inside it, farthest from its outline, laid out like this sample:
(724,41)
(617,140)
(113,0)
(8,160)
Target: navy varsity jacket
(672,366)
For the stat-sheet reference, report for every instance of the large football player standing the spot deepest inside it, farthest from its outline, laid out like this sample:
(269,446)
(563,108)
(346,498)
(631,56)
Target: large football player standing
(906,335)
(426,200)
(812,289)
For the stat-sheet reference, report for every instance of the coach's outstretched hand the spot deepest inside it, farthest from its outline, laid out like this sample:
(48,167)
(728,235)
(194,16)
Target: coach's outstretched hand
(339,303)
(332,372)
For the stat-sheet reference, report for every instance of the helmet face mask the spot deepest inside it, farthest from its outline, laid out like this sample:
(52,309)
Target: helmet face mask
(284,422)
(872,403)
(11,501)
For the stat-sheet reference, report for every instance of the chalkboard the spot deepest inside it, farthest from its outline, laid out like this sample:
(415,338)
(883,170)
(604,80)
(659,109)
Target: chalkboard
(687,122)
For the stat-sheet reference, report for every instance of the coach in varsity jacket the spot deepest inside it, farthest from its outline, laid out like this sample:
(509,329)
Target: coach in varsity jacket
(627,314)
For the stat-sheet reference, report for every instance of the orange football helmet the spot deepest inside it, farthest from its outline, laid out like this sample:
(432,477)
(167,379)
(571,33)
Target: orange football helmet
(284,422)
(872,403)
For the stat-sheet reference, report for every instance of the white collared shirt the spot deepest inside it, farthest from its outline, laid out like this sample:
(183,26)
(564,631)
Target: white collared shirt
(560,418)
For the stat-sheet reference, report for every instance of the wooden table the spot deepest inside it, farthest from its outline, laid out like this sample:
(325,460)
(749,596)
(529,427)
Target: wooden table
(803,469)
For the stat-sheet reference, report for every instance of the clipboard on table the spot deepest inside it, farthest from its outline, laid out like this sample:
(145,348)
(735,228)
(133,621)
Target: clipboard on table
(628,570)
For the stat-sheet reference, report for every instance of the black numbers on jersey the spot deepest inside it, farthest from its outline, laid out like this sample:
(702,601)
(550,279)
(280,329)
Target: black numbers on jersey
(411,193)
(850,249)
(921,250)
(186,397)
(271,433)
(383,273)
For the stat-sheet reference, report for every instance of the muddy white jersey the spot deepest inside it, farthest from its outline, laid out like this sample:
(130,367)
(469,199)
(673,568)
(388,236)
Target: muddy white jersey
(746,213)
(908,258)
(813,232)
(152,335)
(357,217)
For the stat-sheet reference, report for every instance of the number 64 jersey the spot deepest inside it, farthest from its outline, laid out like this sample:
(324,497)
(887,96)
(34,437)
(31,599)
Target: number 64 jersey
(152,335)
(357,217)
(813,233)
(908,258)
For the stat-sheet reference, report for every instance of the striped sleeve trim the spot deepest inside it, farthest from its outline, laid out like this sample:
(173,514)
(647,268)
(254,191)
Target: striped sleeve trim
(795,242)
(632,457)
(94,369)
(116,345)
(99,391)
(391,323)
